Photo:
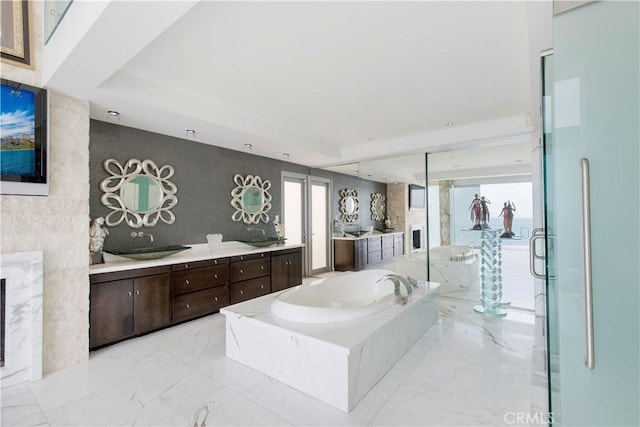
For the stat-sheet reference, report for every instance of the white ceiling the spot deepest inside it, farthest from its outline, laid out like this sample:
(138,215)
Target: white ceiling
(326,82)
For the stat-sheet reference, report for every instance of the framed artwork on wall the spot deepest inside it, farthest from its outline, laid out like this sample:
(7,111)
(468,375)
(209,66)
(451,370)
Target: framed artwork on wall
(15,31)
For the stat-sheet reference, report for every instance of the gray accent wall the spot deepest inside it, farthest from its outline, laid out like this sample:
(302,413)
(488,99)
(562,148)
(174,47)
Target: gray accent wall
(204,177)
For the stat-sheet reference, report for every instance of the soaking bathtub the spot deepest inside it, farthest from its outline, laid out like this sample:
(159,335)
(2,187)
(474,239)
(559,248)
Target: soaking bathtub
(345,297)
(454,266)
(357,332)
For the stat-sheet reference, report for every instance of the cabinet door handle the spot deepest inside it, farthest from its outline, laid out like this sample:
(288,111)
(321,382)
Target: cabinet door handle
(129,293)
(188,306)
(186,266)
(215,299)
(215,275)
(241,258)
(215,261)
(241,292)
(241,271)
(186,282)
(261,286)
(137,292)
(262,267)
(262,255)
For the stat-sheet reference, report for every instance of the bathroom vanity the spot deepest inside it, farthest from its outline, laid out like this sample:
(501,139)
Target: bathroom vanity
(356,253)
(130,298)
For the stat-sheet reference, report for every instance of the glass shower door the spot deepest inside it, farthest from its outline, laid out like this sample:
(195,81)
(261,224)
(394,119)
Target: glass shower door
(592,188)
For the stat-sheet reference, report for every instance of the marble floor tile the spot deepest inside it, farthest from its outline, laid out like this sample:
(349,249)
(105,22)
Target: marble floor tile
(467,369)
(20,408)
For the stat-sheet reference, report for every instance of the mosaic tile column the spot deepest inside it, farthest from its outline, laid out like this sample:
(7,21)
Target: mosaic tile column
(491,274)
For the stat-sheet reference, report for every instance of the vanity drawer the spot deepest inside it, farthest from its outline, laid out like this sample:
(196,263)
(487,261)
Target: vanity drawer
(387,242)
(248,289)
(374,257)
(248,257)
(195,279)
(244,270)
(387,253)
(197,304)
(199,264)
(374,244)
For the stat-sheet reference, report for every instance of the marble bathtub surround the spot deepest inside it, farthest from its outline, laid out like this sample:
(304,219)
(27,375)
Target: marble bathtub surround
(337,363)
(23,274)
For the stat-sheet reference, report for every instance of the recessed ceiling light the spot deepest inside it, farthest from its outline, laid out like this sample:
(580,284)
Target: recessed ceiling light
(285,156)
(384,179)
(191,133)
(369,176)
(355,172)
(371,138)
(112,114)
(248,147)
(449,124)
(518,161)
(455,166)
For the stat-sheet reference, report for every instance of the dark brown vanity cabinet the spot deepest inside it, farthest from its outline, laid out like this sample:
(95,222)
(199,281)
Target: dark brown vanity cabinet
(199,288)
(250,276)
(356,254)
(286,269)
(128,303)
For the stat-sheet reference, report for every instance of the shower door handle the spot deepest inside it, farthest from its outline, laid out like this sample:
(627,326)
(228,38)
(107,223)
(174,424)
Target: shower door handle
(586,254)
(536,234)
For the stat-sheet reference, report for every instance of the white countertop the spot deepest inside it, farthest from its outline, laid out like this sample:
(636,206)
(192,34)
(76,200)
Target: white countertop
(375,233)
(198,252)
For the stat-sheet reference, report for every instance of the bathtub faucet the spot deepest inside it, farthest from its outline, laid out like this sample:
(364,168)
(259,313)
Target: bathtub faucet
(398,280)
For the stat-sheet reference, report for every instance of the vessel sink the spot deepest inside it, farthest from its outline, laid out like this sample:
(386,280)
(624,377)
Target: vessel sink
(357,233)
(264,242)
(150,253)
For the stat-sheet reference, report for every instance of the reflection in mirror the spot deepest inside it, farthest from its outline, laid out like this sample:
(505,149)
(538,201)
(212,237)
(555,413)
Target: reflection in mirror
(377,206)
(139,193)
(348,205)
(251,199)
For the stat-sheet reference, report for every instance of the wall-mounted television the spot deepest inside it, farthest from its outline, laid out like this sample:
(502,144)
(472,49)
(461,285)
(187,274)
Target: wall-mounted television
(417,197)
(24,141)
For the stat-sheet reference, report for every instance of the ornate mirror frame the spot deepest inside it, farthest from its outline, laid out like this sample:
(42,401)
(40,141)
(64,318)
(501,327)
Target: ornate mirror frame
(377,200)
(113,189)
(345,214)
(254,184)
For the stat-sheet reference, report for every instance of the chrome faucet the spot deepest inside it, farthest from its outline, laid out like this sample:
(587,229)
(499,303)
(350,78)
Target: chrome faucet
(409,283)
(142,234)
(256,229)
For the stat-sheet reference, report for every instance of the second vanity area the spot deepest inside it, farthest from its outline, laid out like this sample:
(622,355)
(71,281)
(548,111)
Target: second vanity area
(129,298)
(353,253)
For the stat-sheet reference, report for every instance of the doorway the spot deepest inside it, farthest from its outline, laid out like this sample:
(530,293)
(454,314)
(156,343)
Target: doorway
(306,207)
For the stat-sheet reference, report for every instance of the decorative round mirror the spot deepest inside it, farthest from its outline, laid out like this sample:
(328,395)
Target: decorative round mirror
(139,193)
(251,199)
(377,206)
(348,205)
